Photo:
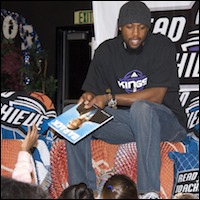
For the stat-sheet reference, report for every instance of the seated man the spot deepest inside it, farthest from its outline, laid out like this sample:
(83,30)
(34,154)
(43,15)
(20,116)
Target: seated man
(140,70)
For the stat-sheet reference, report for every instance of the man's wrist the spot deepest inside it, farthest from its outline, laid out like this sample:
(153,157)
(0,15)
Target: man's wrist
(108,97)
(111,100)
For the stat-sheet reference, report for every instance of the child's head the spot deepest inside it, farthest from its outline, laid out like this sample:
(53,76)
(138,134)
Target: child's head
(78,191)
(13,189)
(119,186)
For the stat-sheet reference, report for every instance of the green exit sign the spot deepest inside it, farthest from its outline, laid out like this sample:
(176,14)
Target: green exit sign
(83,17)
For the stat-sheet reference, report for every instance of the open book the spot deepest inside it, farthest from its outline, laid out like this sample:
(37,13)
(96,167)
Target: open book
(77,122)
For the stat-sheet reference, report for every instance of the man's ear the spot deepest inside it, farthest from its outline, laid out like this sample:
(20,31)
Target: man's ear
(120,28)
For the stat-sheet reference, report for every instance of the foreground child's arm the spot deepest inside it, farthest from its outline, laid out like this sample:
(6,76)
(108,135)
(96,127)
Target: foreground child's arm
(23,167)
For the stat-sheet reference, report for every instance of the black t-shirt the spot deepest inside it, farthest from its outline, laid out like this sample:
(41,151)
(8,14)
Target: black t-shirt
(124,71)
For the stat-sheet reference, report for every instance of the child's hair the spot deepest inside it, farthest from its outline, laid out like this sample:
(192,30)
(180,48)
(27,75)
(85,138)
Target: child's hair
(78,191)
(13,189)
(119,186)
(185,196)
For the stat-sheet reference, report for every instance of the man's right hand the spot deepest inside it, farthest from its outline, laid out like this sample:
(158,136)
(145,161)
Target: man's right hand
(86,97)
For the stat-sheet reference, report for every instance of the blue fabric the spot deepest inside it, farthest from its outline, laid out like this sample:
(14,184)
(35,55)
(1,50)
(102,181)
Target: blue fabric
(186,172)
(20,110)
(191,143)
(186,167)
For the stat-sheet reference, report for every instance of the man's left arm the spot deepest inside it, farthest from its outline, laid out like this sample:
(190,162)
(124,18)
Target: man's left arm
(155,94)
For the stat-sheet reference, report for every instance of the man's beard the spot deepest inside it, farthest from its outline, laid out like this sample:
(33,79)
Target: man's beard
(137,50)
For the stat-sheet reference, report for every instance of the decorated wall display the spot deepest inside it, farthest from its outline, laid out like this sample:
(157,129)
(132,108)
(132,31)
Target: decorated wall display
(179,20)
(14,24)
(20,40)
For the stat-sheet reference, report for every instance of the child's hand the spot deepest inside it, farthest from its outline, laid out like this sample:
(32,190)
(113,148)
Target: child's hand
(30,139)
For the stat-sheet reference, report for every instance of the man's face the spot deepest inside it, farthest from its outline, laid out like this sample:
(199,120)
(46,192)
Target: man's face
(134,34)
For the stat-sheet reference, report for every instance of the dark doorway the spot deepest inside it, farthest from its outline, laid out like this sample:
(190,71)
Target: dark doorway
(73,57)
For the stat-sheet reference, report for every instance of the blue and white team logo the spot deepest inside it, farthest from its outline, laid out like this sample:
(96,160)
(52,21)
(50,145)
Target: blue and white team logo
(193,114)
(133,81)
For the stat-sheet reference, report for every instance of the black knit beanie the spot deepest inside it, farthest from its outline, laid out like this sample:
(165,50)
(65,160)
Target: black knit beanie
(134,12)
